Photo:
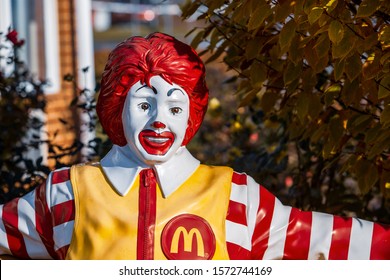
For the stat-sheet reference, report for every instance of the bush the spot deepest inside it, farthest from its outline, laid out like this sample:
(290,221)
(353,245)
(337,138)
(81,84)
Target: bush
(21,94)
(313,85)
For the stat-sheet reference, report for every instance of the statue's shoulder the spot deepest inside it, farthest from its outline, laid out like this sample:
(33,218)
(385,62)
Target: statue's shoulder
(87,166)
(217,169)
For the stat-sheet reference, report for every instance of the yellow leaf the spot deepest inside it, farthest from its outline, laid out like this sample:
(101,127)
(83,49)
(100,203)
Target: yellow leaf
(298,6)
(214,39)
(367,174)
(256,19)
(385,115)
(336,128)
(217,53)
(310,54)
(353,67)
(324,20)
(372,134)
(214,4)
(380,145)
(287,34)
(385,58)
(370,41)
(291,72)
(197,39)
(295,50)
(248,98)
(344,47)
(339,67)
(331,5)
(302,106)
(268,100)
(329,148)
(253,47)
(352,92)
(318,134)
(283,10)
(258,74)
(308,6)
(371,67)
(322,46)
(367,8)
(321,64)
(330,93)
(359,125)
(315,14)
(315,107)
(336,31)
(384,37)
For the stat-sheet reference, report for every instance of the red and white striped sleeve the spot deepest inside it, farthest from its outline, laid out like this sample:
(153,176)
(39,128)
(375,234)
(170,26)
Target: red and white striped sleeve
(39,225)
(259,226)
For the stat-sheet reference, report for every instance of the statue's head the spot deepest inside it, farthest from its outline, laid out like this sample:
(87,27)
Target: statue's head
(153,95)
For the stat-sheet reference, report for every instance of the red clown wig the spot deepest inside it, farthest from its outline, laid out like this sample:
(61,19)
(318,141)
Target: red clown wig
(139,59)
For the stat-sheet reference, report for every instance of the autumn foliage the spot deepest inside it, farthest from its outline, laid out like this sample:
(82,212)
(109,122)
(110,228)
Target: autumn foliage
(314,80)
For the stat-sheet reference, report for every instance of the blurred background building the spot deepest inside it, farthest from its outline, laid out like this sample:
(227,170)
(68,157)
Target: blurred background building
(58,38)
(70,40)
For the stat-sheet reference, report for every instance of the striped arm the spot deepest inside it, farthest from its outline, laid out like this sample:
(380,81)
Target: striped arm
(241,216)
(61,204)
(258,226)
(30,225)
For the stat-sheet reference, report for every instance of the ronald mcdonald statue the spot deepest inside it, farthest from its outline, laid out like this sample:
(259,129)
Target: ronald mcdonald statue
(149,198)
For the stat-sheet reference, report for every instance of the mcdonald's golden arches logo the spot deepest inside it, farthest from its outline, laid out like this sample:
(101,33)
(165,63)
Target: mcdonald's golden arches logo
(188,237)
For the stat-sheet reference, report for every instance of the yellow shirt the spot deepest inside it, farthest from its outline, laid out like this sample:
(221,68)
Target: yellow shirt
(189,223)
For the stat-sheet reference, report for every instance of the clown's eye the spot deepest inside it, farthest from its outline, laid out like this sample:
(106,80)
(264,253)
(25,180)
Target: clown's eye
(144,106)
(176,110)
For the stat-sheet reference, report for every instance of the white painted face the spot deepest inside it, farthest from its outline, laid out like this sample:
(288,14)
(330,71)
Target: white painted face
(155,120)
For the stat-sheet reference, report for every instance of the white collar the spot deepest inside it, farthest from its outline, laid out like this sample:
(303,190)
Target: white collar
(121,169)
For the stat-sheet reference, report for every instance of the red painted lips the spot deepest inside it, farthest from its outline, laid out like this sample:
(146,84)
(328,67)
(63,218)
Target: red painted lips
(156,143)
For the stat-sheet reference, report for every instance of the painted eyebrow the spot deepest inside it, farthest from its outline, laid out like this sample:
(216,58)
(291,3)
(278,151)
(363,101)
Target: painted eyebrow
(141,88)
(153,88)
(169,93)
